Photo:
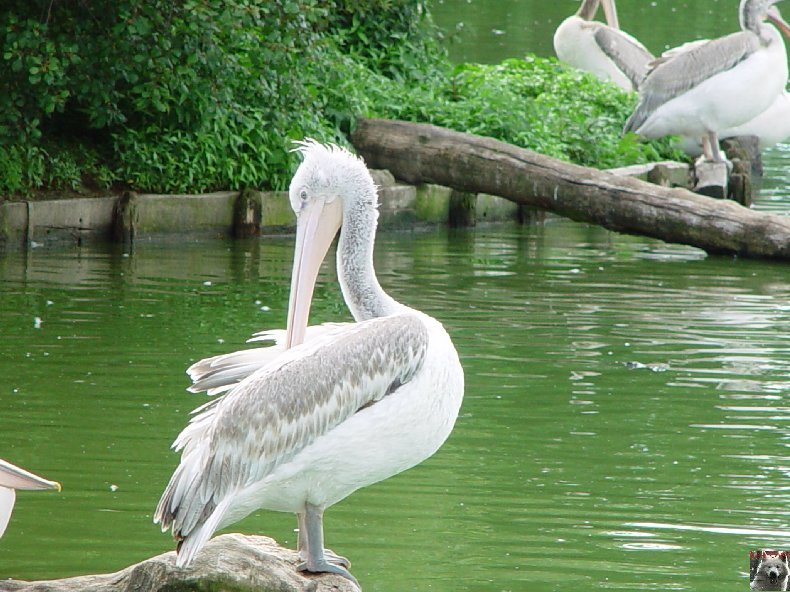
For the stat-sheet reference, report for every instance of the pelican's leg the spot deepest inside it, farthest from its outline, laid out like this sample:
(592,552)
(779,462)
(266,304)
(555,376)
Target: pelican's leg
(301,536)
(713,143)
(316,559)
(302,545)
(706,151)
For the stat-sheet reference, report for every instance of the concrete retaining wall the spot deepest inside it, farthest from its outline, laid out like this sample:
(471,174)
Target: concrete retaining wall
(138,217)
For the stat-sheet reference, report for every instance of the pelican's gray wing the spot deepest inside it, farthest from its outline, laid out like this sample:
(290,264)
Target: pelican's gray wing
(670,77)
(630,56)
(239,438)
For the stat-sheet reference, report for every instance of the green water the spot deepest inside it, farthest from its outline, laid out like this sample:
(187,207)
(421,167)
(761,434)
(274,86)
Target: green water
(624,425)
(624,428)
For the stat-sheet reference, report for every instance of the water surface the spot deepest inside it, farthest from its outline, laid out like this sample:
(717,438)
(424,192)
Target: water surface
(625,406)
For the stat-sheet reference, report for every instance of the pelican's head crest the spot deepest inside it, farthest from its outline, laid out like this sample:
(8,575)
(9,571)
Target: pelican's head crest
(753,12)
(331,171)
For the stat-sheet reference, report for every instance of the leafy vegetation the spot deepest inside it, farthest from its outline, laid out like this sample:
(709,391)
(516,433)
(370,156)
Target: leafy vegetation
(197,95)
(535,103)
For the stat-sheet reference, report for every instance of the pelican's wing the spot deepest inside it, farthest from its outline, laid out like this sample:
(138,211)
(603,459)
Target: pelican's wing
(221,373)
(671,77)
(676,51)
(628,54)
(239,438)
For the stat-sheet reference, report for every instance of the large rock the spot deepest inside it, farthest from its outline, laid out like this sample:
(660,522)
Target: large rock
(231,562)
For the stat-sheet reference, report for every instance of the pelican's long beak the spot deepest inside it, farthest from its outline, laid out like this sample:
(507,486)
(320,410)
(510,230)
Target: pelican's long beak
(12,478)
(16,478)
(316,225)
(610,12)
(776,18)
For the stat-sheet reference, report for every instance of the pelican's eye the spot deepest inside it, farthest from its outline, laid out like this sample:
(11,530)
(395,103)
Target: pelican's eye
(303,195)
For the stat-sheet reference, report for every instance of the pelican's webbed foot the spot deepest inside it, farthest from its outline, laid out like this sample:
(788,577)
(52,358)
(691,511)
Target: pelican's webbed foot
(330,556)
(318,559)
(325,566)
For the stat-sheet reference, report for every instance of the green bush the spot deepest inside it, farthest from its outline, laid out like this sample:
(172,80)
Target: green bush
(200,95)
(535,103)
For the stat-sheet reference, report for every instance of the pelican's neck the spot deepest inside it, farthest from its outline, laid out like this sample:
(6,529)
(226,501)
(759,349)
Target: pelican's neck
(752,16)
(361,289)
(588,9)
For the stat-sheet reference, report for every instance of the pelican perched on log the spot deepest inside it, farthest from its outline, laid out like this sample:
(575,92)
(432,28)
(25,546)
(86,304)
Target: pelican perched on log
(602,49)
(352,405)
(715,85)
(13,478)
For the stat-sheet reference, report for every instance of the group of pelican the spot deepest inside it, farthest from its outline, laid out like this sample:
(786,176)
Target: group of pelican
(703,90)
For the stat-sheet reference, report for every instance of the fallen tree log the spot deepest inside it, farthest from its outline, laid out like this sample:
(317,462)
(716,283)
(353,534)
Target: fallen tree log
(420,153)
(228,562)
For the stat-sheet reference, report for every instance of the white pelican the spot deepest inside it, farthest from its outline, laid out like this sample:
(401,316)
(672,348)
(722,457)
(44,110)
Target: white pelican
(13,478)
(352,405)
(602,49)
(715,85)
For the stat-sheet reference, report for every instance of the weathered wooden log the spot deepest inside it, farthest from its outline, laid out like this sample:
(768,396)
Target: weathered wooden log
(419,153)
(228,562)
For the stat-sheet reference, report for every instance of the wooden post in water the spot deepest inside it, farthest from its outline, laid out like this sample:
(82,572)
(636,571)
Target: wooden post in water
(419,153)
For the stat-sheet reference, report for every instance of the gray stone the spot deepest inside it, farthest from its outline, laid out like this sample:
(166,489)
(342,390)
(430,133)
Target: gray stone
(70,220)
(231,562)
(13,225)
(144,217)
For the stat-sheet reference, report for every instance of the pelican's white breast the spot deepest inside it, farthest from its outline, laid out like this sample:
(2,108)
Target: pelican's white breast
(393,434)
(725,100)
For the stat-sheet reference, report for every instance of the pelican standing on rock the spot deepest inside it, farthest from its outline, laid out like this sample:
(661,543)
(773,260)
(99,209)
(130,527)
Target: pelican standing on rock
(352,405)
(13,478)
(601,49)
(715,85)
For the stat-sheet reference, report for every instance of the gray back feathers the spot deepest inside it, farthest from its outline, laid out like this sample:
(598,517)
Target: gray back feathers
(672,76)
(630,56)
(239,438)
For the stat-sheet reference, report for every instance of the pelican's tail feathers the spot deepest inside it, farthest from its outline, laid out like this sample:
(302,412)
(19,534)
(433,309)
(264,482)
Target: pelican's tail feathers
(635,121)
(189,546)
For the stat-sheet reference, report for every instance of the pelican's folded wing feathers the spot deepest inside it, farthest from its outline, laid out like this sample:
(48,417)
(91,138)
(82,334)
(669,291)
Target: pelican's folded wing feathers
(630,56)
(670,77)
(239,438)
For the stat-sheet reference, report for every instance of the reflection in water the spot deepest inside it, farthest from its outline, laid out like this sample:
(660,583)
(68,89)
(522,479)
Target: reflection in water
(625,406)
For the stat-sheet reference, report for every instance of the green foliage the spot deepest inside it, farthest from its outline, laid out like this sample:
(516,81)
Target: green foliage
(403,46)
(199,95)
(535,103)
